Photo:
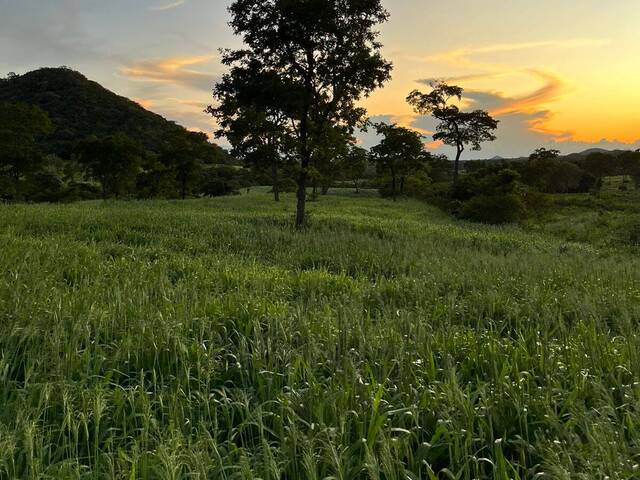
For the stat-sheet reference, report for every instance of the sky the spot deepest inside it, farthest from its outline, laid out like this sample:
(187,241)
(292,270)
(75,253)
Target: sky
(557,73)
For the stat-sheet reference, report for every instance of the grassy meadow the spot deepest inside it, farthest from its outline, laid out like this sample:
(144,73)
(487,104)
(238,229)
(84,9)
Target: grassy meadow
(207,339)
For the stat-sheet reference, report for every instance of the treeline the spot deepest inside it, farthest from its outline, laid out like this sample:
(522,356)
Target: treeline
(182,163)
(509,191)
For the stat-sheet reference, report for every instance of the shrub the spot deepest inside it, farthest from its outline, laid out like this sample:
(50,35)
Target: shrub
(494,209)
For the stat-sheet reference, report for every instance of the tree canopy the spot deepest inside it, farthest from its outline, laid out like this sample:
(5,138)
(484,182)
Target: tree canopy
(324,54)
(455,128)
(399,154)
(21,126)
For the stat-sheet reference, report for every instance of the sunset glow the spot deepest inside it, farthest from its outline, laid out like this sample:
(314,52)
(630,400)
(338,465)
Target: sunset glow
(559,74)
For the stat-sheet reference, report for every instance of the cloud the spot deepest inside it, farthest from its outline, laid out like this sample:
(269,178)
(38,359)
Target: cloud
(524,119)
(173,71)
(460,57)
(553,88)
(170,6)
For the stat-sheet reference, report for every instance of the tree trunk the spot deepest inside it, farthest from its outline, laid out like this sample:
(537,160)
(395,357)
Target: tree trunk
(302,194)
(456,169)
(393,186)
(305,161)
(305,152)
(16,179)
(276,181)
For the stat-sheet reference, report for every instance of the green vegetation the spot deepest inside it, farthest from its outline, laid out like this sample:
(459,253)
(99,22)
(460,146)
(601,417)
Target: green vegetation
(64,138)
(210,339)
(608,220)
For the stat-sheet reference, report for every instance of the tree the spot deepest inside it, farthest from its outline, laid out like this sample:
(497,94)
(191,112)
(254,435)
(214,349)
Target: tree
(328,148)
(440,167)
(544,154)
(323,53)
(21,126)
(353,165)
(249,116)
(113,161)
(184,153)
(547,172)
(399,154)
(456,128)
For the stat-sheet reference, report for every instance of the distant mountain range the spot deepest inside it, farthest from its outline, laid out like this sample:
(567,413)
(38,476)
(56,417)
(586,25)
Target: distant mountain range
(570,156)
(80,108)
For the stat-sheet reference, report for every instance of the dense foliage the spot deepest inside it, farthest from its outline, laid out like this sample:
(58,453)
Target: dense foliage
(303,68)
(63,138)
(208,339)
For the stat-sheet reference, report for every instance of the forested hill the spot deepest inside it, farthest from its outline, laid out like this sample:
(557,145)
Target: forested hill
(80,108)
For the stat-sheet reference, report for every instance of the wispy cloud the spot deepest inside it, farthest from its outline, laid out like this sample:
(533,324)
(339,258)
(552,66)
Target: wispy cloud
(174,70)
(461,57)
(552,89)
(170,6)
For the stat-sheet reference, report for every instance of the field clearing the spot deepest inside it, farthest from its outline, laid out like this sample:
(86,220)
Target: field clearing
(209,339)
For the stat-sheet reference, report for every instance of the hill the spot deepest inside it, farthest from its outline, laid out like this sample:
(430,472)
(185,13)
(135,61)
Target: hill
(208,339)
(80,108)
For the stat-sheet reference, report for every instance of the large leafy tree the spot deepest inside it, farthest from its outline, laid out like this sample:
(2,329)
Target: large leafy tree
(250,118)
(455,128)
(399,154)
(324,54)
(21,126)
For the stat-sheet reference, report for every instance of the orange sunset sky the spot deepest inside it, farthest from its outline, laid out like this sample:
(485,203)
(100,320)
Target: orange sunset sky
(561,74)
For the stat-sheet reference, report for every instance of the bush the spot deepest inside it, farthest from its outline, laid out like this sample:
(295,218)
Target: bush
(79,191)
(44,187)
(417,185)
(494,209)
(440,195)
(287,185)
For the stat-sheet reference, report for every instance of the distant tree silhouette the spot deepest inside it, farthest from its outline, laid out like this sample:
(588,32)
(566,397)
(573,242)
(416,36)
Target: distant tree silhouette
(544,154)
(456,128)
(113,161)
(323,53)
(328,147)
(185,153)
(399,154)
(20,127)
(353,165)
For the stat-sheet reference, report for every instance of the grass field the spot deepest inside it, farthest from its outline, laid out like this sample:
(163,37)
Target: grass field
(209,340)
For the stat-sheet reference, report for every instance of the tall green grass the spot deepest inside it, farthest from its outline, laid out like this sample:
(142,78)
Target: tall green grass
(209,340)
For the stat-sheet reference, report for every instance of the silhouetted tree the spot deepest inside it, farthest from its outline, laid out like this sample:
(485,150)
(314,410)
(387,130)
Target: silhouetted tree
(113,161)
(455,128)
(398,155)
(20,127)
(185,153)
(325,54)
(328,147)
(547,173)
(353,165)
(599,165)
(249,116)
(544,154)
